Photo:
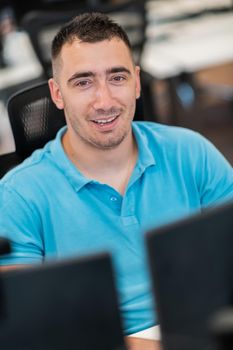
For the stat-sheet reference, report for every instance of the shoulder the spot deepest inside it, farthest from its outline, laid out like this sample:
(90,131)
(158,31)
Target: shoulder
(29,173)
(43,162)
(190,156)
(171,137)
(180,145)
(163,130)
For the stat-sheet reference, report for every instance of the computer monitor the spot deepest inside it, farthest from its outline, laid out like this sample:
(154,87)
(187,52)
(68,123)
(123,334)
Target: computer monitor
(5,247)
(222,328)
(70,304)
(191,263)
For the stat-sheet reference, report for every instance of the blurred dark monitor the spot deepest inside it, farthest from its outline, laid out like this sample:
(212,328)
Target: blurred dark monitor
(191,265)
(22,7)
(5,247)
(222,328)
(70,304)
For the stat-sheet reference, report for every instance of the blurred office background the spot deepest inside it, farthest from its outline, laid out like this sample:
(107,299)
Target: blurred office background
(187,50)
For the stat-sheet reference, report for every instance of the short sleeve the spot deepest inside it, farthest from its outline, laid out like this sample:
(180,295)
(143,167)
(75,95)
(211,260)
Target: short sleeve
(215,175)
(20,223)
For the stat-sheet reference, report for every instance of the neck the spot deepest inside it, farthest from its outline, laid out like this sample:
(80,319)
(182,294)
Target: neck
(113,166)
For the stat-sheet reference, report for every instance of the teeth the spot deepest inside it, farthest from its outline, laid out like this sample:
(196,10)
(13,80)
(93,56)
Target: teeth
(104,121)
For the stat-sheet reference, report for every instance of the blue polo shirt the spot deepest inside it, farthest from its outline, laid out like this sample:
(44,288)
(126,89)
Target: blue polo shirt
(49,210)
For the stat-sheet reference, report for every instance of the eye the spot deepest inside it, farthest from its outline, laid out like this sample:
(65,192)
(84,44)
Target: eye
(118,78)
(83,83)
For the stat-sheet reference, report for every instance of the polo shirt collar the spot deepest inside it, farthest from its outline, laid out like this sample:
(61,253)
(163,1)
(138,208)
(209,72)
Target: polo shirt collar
(76,179)
(145,157)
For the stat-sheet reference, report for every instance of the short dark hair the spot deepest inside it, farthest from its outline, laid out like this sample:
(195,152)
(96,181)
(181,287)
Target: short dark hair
(91,28)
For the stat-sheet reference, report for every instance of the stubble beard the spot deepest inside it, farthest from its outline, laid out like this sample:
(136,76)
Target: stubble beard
(110,143)
(109,140)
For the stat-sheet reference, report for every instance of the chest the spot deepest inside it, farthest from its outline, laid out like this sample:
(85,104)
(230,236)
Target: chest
(98,217)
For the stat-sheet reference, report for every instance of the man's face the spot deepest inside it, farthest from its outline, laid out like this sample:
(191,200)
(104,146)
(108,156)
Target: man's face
(97,85)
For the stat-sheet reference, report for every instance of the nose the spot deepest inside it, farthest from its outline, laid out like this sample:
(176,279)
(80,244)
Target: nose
(103,98)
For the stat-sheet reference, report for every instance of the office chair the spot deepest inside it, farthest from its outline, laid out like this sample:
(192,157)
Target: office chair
(34,118)
(42,25)
(8,161)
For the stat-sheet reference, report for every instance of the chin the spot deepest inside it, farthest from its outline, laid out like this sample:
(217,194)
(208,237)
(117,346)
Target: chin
(110,144)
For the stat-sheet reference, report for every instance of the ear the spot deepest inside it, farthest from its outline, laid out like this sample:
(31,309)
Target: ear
(56,93)
(138,82)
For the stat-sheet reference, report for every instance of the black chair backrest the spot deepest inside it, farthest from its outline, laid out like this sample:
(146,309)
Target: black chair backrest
(42,25)
(8,161)
(34,118)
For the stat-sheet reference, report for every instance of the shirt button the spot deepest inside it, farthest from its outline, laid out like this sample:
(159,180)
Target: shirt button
(113,199)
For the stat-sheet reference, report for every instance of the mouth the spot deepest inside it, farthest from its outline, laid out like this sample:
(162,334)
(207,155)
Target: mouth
(106,123)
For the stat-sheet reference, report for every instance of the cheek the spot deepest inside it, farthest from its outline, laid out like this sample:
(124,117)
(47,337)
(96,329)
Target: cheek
(130,99)
(77,114)
(127,101)
(132,109)
(125,96)
(76,106)
(83,102)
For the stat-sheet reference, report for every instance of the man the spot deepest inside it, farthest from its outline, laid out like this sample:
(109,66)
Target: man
(104,180)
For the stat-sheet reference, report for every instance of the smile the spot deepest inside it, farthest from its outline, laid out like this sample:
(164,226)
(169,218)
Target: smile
(105,121)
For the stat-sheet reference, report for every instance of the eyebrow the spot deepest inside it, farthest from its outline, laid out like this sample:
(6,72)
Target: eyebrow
(87,74)
(119,69)
(80,75)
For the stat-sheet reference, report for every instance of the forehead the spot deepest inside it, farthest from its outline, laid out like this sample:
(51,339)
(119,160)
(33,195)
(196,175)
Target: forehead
(95,56)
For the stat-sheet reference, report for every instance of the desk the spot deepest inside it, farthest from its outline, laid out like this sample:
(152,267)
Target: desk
(23,69)
(6,138)
(176,44)
(22,62)
(12,76)
(188,45)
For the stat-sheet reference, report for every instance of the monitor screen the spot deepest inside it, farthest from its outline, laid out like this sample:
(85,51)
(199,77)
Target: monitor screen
(191,263)
(70,304)
(4,246)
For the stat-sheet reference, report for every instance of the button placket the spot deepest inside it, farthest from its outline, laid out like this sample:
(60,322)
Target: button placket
(128,204)
(128,209)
